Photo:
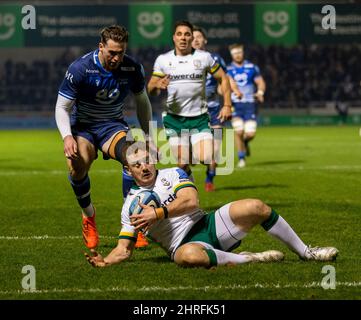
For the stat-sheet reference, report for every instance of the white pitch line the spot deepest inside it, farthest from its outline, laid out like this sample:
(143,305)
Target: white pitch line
(276,167)
(182,288)
(46,237)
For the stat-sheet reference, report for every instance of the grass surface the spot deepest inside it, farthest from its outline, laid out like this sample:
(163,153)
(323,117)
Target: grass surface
(311,176)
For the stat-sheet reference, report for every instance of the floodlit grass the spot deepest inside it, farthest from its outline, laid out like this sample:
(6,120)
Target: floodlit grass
(311,176)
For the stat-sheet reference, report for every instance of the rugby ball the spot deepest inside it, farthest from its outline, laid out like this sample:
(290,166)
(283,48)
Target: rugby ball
(145,197)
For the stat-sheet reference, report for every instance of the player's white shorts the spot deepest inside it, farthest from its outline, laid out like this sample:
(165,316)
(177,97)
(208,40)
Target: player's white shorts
(248,126)
(216,231)
(186,137)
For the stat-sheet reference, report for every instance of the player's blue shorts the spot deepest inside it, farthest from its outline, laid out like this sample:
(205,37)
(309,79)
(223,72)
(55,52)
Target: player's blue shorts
(99,132)
(213,109)
(244,110)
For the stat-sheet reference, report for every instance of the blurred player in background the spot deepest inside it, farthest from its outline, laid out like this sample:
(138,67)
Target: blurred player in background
(190,236)
(247,76)
(89,115)
(213,101)
(183,73)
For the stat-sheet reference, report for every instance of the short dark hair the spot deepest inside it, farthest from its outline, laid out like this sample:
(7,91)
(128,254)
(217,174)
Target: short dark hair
(201,30)
(116,33)
(183,23)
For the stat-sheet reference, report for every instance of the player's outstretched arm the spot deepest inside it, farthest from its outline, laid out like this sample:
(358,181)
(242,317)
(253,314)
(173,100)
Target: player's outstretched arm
(121,252)
(62,117)
(144,111)
(226,111)
(261,88)
(156,84)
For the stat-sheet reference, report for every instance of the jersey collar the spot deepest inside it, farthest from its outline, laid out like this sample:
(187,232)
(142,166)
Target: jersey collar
(98,63)
(193,50)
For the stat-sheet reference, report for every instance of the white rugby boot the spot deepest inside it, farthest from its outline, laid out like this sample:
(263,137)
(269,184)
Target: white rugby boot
(241,163)
(320,254)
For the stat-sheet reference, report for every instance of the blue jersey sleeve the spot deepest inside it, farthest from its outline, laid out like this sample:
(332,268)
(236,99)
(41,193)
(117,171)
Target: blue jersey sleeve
(139,80)
(70,85)
(222,63)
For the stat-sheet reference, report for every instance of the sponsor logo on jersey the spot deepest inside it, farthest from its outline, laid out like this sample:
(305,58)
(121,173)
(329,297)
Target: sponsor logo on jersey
(91,71)
(171,197)
(165,182)
(192,76)
(197,64)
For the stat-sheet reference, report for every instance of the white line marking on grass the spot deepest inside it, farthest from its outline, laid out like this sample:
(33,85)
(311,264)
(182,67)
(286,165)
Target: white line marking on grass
(182,288)
(46,237)
(277,167)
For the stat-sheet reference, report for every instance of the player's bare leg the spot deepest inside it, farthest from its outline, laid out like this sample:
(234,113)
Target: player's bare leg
(250,212)
(183,154)
(240,217)
(197,255)
(248,136)
(203,152)
(192,255)
(112,149)
(238,127)
(211,168)
(80,182)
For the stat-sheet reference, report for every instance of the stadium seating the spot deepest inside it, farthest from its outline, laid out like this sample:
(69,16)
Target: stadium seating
(296,77)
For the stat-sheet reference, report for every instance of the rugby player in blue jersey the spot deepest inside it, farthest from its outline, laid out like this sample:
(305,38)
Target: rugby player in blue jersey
(89,115)
(213,101)
(251,84)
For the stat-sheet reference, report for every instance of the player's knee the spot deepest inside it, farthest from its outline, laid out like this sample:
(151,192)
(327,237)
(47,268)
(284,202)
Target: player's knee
(238,125)
(191,256)
(206,157)
(249,135)
(78,169)
(259,208)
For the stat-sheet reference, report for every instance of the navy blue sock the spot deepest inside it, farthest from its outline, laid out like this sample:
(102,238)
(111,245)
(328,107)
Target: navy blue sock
(210,175)
(127,183)
(82,190)
(241,155)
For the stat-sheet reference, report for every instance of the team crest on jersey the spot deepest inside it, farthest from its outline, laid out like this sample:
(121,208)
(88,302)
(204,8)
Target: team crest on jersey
(165,182)
(197,64)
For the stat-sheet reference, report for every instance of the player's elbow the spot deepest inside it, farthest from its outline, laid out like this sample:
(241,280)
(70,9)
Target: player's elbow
(193,203)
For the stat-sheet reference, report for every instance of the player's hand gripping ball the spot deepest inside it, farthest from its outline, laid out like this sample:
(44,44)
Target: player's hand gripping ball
(149,198)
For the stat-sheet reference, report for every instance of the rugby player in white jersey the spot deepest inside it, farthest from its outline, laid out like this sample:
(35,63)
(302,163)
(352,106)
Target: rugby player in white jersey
(190,236)
(182,72)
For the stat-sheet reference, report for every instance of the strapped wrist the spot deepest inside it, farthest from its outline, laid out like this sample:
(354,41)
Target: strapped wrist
(161,213)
